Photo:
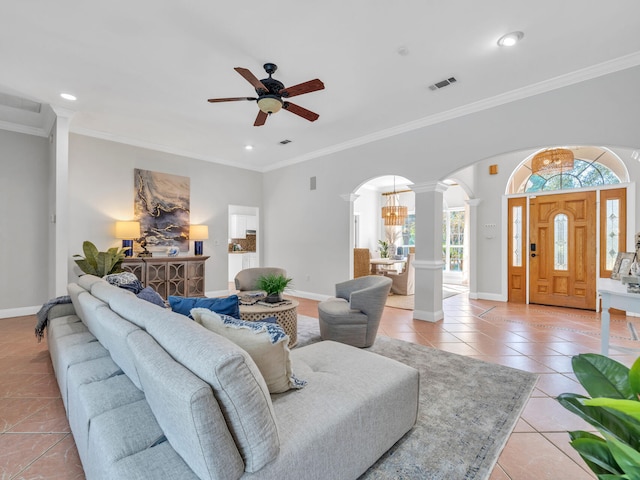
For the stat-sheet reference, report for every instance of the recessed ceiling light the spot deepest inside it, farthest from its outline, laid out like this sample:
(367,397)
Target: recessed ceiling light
(68,96)
(510,39)
(248,147)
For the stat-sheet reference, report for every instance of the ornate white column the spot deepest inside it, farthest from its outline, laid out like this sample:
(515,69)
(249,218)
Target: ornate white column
(59,215)
(428,260)
(472,235)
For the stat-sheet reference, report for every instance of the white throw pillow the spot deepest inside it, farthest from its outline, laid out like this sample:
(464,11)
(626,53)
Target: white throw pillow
(266,343)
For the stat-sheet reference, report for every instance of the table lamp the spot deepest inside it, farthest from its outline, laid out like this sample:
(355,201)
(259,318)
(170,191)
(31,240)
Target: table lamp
(198,233)
(128,231)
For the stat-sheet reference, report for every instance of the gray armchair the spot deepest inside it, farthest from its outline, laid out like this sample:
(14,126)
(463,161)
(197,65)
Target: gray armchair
(353,316)
(247,280)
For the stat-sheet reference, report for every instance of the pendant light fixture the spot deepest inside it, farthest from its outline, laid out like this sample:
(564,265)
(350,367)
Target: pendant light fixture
(393,213)
(552,161)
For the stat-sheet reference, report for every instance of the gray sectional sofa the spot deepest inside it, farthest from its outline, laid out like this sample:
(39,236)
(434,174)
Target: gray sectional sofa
(151,394)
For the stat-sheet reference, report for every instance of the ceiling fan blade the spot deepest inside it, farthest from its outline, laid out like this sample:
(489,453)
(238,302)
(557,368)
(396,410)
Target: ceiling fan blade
(306,87)
(232,99)
(251,78)
(303,112)
(260,119)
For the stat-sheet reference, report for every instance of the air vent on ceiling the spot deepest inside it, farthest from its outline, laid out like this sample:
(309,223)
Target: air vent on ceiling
(284,142)
(443,83)
(19,103)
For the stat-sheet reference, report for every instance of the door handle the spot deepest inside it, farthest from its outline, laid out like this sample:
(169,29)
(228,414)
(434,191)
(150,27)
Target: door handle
(533,255)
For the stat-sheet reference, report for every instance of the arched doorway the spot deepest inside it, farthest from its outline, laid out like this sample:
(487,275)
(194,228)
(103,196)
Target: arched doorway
(368,224)
(566,226)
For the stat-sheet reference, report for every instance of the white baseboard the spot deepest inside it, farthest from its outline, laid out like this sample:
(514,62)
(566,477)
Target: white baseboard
(310,295)
(496,297)
(19,312)
(428,316)
(219,293)
(294,293)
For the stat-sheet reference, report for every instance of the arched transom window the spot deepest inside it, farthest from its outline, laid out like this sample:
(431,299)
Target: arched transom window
(592,167)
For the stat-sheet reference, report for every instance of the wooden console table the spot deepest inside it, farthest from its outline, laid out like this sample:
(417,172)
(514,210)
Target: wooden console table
(180,276)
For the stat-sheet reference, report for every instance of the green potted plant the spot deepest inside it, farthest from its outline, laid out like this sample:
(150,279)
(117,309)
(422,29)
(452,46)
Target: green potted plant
(274,285)
(613,409)
(384,248)
(100,263)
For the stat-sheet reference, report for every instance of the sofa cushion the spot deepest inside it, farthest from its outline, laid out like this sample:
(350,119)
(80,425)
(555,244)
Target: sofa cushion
(69,350)
(140,313)
(186,410)
(86,281)
(266,342)
(117,434)
(112,332)
(356,406)
(107,292)
(237,384)
(157,462)
(227,305)
(79,375)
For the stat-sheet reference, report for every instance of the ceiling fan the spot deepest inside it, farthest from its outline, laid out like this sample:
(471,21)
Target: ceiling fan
(271,93)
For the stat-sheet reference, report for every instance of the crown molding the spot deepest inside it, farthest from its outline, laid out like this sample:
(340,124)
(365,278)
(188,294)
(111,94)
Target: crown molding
(26,129)
(588,73)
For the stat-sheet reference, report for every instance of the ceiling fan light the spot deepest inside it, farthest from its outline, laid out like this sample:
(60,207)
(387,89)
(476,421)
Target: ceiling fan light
(269,104)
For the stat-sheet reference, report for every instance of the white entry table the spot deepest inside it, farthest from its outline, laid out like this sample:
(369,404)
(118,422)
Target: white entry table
(614,295)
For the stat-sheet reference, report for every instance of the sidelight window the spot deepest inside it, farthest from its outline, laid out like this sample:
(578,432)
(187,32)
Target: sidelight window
(517,232)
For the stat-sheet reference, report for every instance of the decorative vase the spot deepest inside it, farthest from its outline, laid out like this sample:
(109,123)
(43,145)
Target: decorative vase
(273,298)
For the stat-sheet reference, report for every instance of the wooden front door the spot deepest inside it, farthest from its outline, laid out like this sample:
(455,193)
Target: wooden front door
(562,231)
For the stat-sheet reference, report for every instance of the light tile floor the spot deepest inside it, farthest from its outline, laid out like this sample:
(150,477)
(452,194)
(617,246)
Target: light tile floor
(35,442)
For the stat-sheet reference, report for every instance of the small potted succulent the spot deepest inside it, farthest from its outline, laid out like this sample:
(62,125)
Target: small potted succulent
(274,285)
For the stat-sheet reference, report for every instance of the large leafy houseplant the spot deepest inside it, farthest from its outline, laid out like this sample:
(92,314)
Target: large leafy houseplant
(99,263)
(613,409)
(274,285)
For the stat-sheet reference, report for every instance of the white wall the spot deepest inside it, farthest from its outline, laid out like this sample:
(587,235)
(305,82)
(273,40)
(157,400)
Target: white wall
(101,191)
(307,232)
(24,224)
(602,111)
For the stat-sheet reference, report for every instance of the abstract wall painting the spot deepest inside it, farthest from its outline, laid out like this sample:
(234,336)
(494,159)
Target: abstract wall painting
(161,205)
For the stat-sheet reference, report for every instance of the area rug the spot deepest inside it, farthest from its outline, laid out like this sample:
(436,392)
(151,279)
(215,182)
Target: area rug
(406,302)
(467,410)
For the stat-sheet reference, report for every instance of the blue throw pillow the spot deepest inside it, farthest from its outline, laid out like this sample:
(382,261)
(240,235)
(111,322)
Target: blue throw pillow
(150,295)
(226,306)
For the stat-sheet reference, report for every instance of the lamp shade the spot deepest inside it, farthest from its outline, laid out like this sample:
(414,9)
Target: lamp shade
(198,232)
(127,230)
(269,104)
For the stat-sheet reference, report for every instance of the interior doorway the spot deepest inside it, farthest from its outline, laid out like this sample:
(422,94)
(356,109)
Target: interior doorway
(553,245)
